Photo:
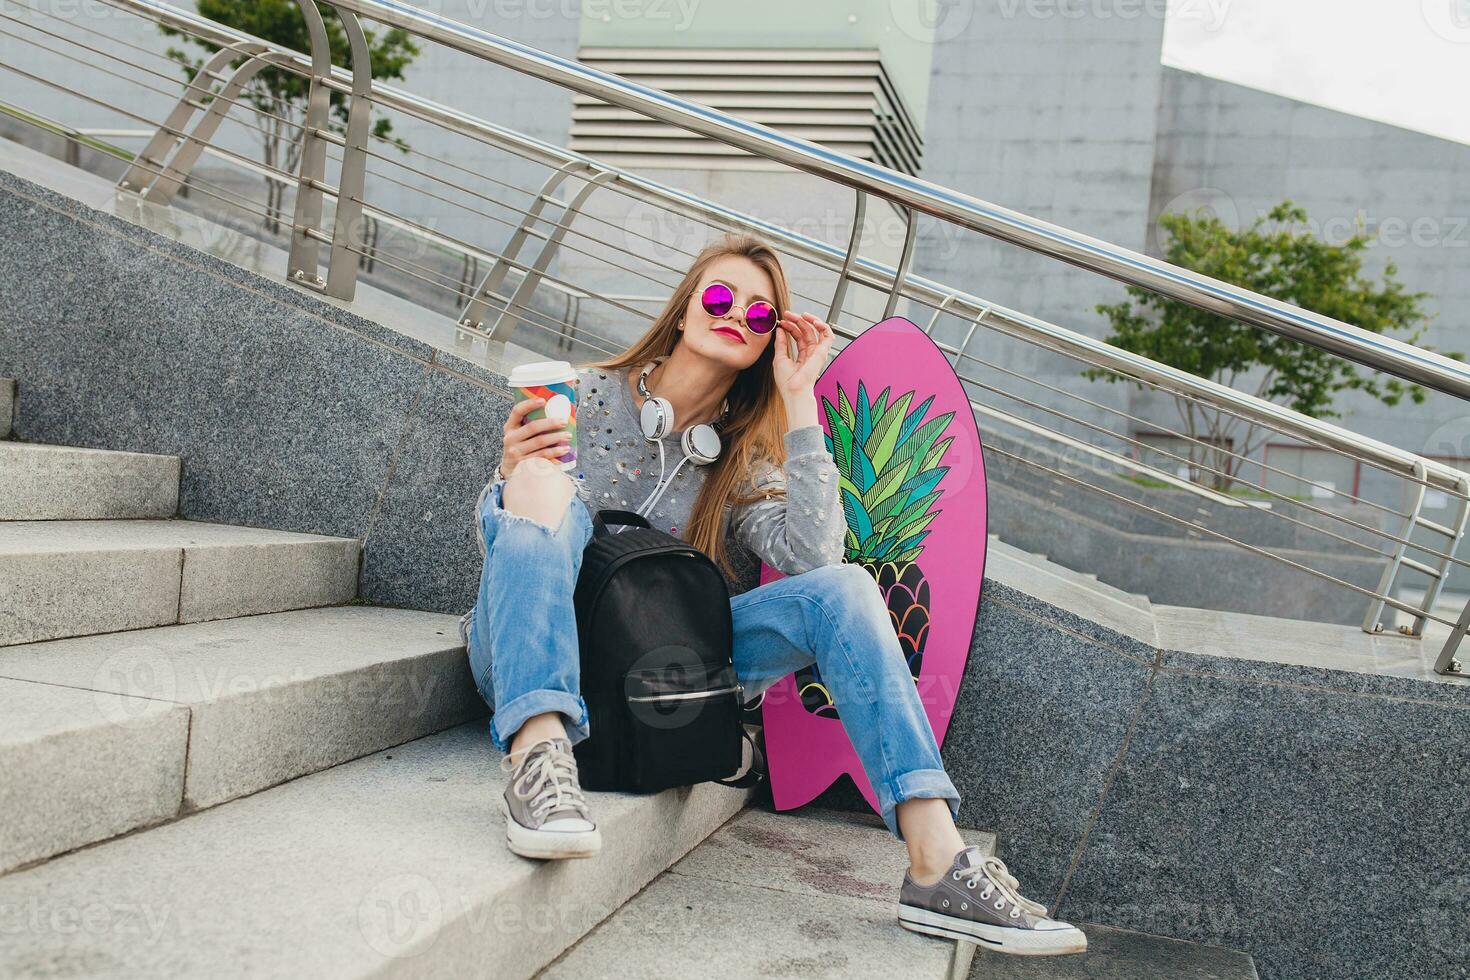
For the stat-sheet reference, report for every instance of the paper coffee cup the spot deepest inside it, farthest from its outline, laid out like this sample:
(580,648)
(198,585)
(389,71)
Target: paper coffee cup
(555,381)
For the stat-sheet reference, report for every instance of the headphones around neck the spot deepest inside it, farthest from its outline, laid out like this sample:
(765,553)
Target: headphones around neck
(700,443)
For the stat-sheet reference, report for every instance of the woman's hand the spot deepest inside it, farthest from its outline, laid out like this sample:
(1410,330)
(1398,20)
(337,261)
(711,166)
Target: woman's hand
(539,437)
(798,376)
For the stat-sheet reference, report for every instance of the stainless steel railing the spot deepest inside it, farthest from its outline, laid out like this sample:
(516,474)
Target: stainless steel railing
(1395,537)
(1345,340)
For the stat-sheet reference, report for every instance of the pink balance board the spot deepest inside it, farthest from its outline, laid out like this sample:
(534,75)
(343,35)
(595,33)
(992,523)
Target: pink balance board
(912,483)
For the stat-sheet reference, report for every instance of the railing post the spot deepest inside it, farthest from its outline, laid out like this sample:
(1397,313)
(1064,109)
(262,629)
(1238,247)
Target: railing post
(478,308)
(854,241)
(904,261)
(303,262)
(521,300)
(964,345)
(347,228)
(153,174)
(1453,533)
(1413,502)
(1448,664)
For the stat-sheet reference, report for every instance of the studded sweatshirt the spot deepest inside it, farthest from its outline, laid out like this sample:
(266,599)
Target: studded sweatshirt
(619,469)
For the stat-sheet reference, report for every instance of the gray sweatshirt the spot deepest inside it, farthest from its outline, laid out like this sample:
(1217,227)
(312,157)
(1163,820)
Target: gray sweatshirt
(619,469)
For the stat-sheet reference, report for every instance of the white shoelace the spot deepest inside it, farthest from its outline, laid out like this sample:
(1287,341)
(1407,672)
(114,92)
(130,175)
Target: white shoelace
(549,781)
(993,872)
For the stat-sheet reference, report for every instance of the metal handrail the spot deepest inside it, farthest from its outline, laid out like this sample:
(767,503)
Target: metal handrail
(1345,340)
(1096,353)
(863,270)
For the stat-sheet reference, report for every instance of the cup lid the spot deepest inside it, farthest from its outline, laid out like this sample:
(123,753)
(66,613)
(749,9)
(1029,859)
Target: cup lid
(541,373)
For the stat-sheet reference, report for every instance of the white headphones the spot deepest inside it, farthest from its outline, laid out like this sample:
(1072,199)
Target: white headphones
(700,443)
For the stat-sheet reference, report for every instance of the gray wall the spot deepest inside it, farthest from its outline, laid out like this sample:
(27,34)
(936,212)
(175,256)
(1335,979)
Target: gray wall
(1239,151)
(1052,116)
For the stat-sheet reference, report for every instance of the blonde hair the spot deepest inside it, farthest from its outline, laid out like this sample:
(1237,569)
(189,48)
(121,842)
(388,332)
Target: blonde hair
(755,429)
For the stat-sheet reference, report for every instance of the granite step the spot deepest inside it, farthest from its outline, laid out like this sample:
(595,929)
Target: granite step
(61,483)
(80,766)
(394,864)
(1034,576)
(1117,954)
(1088,580)
(813,894)
(810,893)
(103,734)
(7,407)
(77,578)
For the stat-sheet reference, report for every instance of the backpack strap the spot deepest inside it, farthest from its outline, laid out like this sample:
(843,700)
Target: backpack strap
(625,517)
(757,770)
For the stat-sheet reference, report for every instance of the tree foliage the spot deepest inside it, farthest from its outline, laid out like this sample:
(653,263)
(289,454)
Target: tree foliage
(1277,256)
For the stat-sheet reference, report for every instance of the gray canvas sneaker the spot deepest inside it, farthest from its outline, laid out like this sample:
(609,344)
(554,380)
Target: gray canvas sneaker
(546,815)
(978,900)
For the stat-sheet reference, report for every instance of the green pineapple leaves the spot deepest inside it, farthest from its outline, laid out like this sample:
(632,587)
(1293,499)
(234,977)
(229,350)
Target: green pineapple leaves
(888,471)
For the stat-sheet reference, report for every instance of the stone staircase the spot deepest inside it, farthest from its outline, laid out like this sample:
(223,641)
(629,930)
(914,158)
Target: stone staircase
(154,668)
(768,895)
(216,762)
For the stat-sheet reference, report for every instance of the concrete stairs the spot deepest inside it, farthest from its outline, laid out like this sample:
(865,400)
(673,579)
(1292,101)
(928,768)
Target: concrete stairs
(150,724)
(1147,539)
(75,578)
(391,865)
(213,762)
(772,895)
(151,666)
(1040,577)
(206,741)
(59,483)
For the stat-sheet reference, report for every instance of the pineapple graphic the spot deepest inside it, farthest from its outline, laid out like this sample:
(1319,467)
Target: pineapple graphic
(889,474)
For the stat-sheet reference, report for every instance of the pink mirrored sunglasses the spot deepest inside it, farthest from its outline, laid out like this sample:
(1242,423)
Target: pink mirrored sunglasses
(718,300)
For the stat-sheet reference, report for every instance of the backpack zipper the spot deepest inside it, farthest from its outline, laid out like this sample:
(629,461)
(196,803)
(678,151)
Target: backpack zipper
(685,695)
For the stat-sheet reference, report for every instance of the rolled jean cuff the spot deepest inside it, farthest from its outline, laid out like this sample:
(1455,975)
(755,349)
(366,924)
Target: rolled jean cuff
(511,716)
(913,785)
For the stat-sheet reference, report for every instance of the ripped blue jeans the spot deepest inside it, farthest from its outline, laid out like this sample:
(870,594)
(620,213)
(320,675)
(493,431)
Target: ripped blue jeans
(525,614)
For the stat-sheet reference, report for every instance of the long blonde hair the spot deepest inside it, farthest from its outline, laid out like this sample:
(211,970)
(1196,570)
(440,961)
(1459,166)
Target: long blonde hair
(755,429)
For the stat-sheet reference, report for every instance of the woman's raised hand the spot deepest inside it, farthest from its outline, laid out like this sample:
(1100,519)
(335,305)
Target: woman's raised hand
(813,341)
(546,437)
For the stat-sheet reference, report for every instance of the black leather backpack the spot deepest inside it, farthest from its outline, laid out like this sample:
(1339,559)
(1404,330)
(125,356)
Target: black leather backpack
(664,705)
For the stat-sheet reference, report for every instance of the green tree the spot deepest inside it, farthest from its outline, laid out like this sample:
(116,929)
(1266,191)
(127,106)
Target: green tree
(1280,257)
(279,96)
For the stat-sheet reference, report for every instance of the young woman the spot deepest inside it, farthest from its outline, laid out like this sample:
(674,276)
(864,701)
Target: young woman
(720,354)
